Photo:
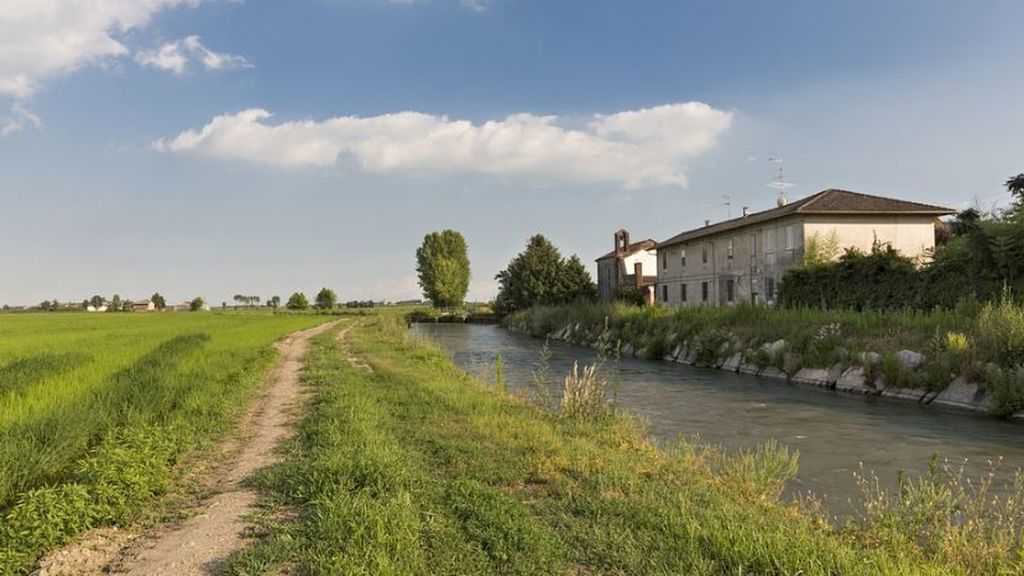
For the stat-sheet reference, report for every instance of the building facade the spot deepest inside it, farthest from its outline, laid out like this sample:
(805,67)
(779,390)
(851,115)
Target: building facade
(629,264)
(744,259)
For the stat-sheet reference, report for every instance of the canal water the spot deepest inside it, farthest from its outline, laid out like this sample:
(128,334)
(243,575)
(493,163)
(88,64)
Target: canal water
(834,433)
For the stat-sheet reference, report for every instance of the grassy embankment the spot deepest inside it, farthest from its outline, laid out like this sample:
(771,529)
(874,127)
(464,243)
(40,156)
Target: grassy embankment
(982,344)
(417,468)
(95,410)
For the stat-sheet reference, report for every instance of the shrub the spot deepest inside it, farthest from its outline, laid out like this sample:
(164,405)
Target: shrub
(1001,332)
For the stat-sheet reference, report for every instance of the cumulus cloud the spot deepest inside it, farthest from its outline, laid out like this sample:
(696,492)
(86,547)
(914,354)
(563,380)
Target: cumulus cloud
(40,39)
(634,148)
(176,56)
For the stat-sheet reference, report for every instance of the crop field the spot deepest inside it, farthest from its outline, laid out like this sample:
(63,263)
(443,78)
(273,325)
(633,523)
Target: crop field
(96,409)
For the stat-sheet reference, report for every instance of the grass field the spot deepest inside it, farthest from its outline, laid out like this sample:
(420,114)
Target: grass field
(95,409)
(417,468)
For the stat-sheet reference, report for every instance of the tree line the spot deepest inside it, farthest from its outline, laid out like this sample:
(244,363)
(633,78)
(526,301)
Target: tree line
(978,257)
(537,275)
(115,304)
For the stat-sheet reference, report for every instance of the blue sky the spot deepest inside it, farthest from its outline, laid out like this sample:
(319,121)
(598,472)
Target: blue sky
(214,147)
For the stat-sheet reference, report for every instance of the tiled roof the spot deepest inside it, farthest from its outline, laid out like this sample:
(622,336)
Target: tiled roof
(831,201)
(633,248)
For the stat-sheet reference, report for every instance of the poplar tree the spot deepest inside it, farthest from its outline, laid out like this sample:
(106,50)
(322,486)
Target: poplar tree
(442,263)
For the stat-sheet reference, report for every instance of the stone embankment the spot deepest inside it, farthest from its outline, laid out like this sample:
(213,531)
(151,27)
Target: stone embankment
(772,360)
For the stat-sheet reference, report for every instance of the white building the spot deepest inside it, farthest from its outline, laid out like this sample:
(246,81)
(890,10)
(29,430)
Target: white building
(743,259)
(627,265)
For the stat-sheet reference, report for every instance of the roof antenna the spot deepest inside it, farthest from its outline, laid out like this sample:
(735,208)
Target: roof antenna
(779,183)
(727,202)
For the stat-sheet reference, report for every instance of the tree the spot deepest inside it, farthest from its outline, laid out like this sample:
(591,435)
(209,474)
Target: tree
(1015,185)
(326,299)
(274,301)
(96,301)
(239,300)
(540,276)
(297,301)
(115,304)
(196,304)
(819,251)
(966,222)
(158,301)
(442,263)
(574,282)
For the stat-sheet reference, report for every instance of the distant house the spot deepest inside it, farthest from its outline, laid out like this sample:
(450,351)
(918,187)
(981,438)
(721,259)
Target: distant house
(629,264)
(101,308)
(743,259)
(143,306)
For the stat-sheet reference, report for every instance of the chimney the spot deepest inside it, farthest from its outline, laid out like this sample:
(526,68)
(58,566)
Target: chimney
(638,274)
(782,201)
(746,211)
(625,240)
(707,222)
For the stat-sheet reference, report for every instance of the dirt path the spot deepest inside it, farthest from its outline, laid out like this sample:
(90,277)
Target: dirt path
(354,360)
(200,544)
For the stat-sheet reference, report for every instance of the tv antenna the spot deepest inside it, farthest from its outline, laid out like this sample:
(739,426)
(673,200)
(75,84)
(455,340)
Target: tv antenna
(779,183)
(727,202)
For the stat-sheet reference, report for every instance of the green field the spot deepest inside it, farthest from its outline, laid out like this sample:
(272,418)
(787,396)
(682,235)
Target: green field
(95,409)
(418,468)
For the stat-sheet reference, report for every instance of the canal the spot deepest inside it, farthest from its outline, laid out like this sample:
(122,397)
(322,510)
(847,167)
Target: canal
(834,433)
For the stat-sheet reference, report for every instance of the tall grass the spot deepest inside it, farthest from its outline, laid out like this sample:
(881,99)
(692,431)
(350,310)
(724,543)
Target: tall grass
(96,409)
(418,468)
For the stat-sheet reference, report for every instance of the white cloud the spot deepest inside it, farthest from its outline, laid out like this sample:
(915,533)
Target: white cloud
(475,5)
(176,56)
(17,120)
(634,148)
(40,39)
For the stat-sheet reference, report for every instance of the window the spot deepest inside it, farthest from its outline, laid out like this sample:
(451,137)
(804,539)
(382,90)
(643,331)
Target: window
(664,292)
(730,290)
(664,260)
(769,240)
(769,288)
(682,258)
(704,254)
(682,292)
(731,248)
(790,237)
(704,291)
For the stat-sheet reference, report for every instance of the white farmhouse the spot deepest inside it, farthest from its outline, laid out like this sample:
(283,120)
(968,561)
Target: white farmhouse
(743,259)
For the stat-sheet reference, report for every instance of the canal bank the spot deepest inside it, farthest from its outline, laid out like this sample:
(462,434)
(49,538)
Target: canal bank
(834,435)
(414,467)
(927,359)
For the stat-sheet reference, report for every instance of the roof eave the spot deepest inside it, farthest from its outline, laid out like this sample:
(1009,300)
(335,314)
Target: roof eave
(936,212)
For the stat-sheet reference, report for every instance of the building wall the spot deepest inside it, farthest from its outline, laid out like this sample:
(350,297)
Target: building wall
(610,274)
(911,235)
(607,278)
(762,253)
